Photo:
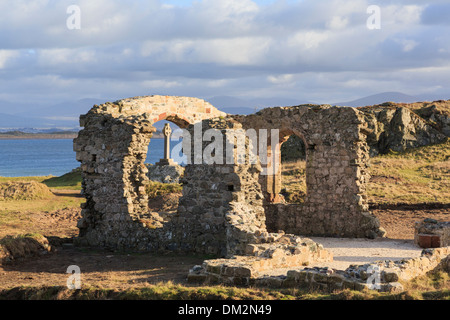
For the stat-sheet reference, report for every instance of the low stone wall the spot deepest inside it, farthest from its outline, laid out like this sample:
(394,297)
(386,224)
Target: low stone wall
(276,251)
(303,219)
(384,276)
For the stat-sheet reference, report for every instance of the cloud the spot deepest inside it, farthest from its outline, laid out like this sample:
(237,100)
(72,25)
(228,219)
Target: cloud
(5,56)
(312,49)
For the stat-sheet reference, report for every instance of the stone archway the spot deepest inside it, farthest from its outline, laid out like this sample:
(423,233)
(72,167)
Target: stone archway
(112,149)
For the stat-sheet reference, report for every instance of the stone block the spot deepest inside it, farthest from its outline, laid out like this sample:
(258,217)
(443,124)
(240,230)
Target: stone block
(429,241)
(390,275)
(213,268)
(197,278)
(242,272)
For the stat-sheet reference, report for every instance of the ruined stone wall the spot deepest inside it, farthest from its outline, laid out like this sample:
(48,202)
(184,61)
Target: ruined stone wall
(112,149)
(336,171)
(225,207)
(221,206)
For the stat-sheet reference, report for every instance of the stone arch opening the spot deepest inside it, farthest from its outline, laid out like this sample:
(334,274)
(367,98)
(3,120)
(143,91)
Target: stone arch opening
(112,149)
(156,206)
(165,172)
(293,158)
(273,184)
(156,146)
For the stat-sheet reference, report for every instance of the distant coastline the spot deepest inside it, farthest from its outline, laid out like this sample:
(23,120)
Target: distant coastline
(31,136)
(17,135)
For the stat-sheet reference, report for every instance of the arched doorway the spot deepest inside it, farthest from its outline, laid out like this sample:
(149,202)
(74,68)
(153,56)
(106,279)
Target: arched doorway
(165,164)
(293,170)
(112,149)
(285,180)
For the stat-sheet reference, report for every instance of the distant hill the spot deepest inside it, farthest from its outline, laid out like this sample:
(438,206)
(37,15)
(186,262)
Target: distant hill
(65,115)
(61,115)
(68,110)
(233,105)
(378,99)
(13,121)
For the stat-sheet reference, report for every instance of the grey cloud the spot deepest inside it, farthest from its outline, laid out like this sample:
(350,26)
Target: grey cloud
(128,48)
(436,14)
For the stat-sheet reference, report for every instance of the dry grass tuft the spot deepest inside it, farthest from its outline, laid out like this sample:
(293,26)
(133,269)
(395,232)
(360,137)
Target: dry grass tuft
(24,190)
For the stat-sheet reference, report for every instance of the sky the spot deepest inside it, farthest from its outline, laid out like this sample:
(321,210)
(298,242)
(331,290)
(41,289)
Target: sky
(321,51)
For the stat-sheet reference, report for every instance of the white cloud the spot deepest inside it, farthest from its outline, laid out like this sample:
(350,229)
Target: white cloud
(307,40)
(281,79)
(409,45)
(338,22)
(160,84)
(7,55)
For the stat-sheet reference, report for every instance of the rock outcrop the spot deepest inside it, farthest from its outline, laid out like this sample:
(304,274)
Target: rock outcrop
(393,126)
(397,127)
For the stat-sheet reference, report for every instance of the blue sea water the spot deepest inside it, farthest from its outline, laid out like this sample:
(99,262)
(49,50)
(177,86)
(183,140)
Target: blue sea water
(43,157)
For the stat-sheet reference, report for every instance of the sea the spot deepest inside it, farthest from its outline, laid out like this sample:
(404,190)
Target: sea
(45,157)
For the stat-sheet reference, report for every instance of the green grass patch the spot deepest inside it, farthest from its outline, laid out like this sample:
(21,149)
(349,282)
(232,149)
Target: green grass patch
(154,188)
(71,181)
(419,175)
(28,179)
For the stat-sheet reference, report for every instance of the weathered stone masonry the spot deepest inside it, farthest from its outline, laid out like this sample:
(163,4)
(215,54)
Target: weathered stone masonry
(336,171)
(225,208)
(112,149)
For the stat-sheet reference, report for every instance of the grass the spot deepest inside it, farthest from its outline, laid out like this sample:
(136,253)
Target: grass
(154,188)
(68,181)
(16,213)
(55,202)
(420,175)
(24,245)
(416,176)
(433,286)
(24,190)
(293,181)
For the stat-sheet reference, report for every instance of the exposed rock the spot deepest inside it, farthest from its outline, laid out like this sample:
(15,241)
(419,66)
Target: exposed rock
(392,126)
(398,127)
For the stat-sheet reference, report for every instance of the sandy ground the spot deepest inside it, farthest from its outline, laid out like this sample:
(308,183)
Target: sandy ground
(119,271)
(360,251)
(104,269)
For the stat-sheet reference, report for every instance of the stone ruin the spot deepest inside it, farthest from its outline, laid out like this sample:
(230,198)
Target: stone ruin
(227,209)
